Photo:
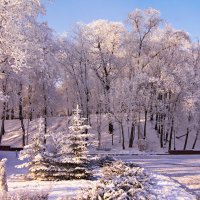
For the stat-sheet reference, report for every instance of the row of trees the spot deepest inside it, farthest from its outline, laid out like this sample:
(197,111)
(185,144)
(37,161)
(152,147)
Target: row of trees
(27,61)
(133,72)
(130,73)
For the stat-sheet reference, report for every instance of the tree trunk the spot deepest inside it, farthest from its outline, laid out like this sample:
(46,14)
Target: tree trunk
(27,131)
(145,124)
(120,134)
(3,112)
(186,139)
(174,140)
(3,119)
(30,104)
(7,112)
(123,139)
(111,129)
(139,133)
(12,114)
(132,135)
(197,134)
(45,112)
(161,137)
(21,116)
(99,138)
(156,125)
(171,134)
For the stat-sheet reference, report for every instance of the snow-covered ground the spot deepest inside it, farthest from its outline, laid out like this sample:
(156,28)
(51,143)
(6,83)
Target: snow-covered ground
(184,169)
(13,136)
(162,186)
(183,172)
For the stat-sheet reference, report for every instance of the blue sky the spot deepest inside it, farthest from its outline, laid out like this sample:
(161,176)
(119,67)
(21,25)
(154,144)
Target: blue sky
(63,14)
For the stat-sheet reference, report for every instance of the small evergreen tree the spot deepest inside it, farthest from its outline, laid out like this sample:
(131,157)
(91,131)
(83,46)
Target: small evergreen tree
(69,152)
(34,153)
(58,155)
(78,138)
(78,146)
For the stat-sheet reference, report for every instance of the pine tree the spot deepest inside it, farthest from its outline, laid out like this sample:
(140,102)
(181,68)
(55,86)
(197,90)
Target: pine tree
(34,153)
(59,156)
(78,146)
(68,153)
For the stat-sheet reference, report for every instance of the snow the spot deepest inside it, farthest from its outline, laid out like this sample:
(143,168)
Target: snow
(167,189)
(161,185)
(13,136)
(183,169)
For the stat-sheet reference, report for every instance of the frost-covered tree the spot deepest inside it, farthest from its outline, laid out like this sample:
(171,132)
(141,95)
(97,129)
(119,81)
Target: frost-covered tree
(78,146)
(34,152)
(78,137)
(60,155)
(67,153)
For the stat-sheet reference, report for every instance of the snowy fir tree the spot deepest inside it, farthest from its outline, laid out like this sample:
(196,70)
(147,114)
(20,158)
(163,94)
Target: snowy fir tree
(58,156)
(34,152)
(78,146)
(68,153)
(78,138)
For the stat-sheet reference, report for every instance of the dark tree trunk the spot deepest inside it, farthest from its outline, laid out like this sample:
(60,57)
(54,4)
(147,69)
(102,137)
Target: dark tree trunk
(45,112)
(186,139)
(123,139)
(12,114)
(3,120)
(3,112)
(161,137)
(139,131)
(120,134)
(161,130)
(166,136)
(99,138)
(7,112)
(174,140)
(159,123)
(2,129)
(145,124)
(111,131)
(132,135)
(156,125)
(30,103)
(21,116)
(171,134)
(195,140)
(151,117)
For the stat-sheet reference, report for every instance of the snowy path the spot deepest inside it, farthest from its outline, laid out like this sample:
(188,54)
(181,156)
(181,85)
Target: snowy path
(184,169)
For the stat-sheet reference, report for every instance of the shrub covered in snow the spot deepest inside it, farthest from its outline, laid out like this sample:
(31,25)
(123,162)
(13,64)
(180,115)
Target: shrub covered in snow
(100,161)
(3,180)
(120,181)
(24,195)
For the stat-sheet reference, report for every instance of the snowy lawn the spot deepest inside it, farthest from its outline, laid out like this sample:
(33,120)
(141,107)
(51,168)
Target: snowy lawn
(161,186)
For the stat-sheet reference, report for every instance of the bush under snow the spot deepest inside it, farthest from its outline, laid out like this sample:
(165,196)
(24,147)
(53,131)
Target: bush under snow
(122,182)
(24,195)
